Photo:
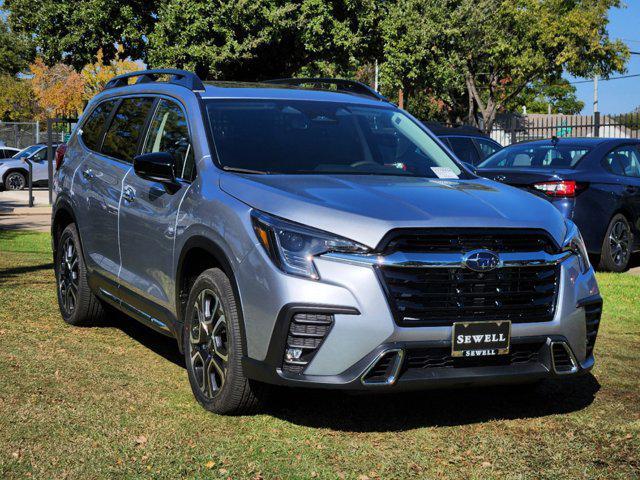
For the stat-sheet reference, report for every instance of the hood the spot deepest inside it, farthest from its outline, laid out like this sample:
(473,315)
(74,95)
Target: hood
(365,207)
(12,161)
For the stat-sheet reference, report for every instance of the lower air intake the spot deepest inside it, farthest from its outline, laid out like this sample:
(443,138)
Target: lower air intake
(563,359)
(307,331)
(384,370)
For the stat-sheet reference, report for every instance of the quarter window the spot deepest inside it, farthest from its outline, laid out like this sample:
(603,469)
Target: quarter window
(121,140)
(623,161)
(465,150)
(169,133)
(94,126)
(486,147)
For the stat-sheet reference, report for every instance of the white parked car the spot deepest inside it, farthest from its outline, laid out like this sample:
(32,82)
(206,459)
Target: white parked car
(14,171)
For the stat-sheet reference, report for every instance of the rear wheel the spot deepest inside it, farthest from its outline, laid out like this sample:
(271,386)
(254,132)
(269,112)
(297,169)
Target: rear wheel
(15,181)
(78,305)
(617,245)
(213,347)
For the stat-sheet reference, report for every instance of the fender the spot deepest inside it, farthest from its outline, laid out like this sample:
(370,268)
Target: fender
(211,247)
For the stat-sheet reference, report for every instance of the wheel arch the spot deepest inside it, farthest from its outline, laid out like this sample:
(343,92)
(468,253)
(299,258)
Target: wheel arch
(198,254)
(61,217)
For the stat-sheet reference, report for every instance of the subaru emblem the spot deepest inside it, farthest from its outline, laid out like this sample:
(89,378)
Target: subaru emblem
(481,260)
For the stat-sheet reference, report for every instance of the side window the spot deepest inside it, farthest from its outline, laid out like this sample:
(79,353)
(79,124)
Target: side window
(486,147)
(121,140)
(624,161)
(93,127)
(41,155)
(168,132)
(464,149)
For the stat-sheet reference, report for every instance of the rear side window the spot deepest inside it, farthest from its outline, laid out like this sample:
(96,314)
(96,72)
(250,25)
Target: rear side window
(464,149)
(486,147)
(121,140)
(93,127)
(624,161)
(168,132)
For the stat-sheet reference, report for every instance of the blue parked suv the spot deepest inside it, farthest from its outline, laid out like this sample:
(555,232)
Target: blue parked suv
(309,233)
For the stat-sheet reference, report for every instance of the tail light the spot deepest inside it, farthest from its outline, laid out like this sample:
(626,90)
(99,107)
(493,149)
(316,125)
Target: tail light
(60,151)
(561,188)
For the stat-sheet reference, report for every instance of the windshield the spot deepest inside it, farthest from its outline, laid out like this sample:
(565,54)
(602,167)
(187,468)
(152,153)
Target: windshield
(309,137)
(536,156)
(27,151)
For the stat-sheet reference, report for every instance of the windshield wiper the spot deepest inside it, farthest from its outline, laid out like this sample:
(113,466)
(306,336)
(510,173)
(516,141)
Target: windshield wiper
(244,170)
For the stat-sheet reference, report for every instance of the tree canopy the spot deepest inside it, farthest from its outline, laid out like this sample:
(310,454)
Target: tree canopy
(16,50)
(74,30)
(453,59)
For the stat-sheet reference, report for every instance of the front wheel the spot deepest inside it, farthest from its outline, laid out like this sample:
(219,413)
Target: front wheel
(617,245)
(213,347)
(15,181)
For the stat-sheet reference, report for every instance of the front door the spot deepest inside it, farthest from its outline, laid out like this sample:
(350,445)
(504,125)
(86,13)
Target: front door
(148,218)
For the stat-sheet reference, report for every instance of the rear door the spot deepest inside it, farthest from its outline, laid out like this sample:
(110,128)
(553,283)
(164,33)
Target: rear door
(624,162)
(111,136)
(148,217)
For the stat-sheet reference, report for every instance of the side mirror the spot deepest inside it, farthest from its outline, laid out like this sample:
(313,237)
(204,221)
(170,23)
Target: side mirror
(156,166)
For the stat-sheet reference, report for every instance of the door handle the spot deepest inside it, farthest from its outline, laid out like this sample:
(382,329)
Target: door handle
(129,194)
(88,174)
(631,189)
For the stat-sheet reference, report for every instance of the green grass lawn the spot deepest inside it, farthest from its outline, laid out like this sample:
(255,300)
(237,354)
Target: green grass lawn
(113,401)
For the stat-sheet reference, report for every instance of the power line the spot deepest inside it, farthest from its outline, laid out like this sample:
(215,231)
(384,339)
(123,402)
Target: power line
(606,79)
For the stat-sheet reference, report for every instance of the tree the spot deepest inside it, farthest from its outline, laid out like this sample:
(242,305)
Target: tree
(72,31)
(558,94)
(96,75)
(482,54)
(258,39)
(16,50)
(58,89)
(17,102)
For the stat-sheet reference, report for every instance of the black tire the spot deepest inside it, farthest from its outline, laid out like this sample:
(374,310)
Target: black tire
(617,245)
(15,180)
(219,386)
(78,305)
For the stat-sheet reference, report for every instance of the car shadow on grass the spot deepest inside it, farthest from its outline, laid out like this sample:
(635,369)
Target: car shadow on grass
(395,412)
(433,408)
(158,343)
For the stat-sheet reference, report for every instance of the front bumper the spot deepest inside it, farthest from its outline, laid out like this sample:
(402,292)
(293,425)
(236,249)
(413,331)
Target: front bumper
(364,328)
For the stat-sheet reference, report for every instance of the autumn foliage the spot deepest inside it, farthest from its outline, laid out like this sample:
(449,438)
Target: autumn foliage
(59,90)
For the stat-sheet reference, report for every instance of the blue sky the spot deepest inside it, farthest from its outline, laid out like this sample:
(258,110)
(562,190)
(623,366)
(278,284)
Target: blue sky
(618,96)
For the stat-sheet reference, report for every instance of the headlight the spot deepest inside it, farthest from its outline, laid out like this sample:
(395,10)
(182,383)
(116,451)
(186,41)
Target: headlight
(292,246)
(574,243)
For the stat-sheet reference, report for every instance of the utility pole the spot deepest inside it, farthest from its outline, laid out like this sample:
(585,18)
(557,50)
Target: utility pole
(375,80)
(595,94)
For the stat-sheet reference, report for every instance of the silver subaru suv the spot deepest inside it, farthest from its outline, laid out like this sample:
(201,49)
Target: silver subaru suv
(307,232)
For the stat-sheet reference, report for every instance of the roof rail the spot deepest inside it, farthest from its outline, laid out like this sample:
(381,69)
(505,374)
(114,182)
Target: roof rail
(178,77)
(342,85)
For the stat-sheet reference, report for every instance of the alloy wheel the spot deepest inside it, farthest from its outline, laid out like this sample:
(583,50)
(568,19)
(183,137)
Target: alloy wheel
(209,344)
(620,242)
(69,276)
(15,181)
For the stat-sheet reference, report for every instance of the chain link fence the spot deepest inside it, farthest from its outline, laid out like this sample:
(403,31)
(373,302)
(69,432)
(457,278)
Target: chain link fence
(24,134)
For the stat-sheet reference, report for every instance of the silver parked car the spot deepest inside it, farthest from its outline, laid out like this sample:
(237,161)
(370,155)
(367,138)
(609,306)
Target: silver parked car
(14,171)
(311,236)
